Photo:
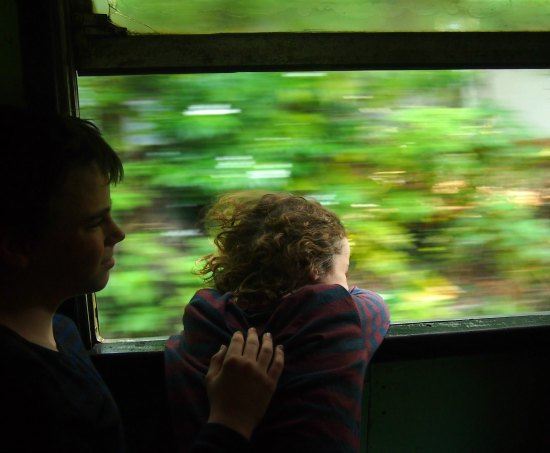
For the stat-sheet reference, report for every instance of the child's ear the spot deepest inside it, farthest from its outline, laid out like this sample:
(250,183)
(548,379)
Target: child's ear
(314,275)
(14,252)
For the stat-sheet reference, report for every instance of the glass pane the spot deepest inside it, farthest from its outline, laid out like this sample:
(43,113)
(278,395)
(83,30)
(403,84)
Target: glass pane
(217,16)
(441,178)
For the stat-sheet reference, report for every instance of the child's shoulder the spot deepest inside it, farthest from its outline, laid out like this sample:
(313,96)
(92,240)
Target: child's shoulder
(64,325)
(311,301)
(366,294)
(209,296)
(209,303)
(316,302)
(371,305)
(322,291)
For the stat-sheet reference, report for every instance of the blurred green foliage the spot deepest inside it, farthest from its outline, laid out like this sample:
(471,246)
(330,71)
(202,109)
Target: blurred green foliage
(215,16)
(443,192)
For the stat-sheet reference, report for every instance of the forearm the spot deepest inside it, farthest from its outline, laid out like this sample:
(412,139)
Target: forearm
(217,438)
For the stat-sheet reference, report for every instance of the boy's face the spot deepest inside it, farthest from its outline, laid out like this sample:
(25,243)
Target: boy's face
(76,253)
(340,266)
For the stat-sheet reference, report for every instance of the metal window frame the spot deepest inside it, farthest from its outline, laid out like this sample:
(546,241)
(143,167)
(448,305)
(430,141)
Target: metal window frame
(234,52)
(425,339)
(72,41)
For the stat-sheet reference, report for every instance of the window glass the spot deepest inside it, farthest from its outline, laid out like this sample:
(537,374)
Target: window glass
(217,16)
(441,178)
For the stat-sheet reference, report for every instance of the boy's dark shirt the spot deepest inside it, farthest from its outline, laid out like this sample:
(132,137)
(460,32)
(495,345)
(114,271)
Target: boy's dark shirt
(57,401)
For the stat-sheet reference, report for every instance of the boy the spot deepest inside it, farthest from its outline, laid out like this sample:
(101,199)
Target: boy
(57,240)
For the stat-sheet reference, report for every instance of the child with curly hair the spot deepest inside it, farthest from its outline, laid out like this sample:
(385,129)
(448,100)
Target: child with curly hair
(280,268)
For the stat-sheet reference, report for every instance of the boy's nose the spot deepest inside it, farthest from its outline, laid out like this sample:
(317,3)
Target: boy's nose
(120,235)
(117,235)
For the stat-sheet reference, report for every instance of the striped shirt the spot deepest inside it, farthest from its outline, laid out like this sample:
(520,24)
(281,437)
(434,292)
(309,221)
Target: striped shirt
(329,335)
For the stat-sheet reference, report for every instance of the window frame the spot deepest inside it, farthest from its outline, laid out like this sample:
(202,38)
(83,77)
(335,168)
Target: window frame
(121,54)
(78,42)
(431,339)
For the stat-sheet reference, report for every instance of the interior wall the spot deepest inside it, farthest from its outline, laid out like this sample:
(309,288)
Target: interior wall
(491,402)
(11,78)
(494,401)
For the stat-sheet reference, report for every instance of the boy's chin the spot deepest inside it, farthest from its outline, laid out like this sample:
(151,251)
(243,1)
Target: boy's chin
(99,284)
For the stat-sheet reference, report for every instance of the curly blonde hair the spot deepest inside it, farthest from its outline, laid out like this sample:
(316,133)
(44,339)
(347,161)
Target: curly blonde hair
(268,245)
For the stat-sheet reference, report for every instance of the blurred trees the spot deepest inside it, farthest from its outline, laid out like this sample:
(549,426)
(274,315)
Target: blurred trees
(215,16)
(444,194)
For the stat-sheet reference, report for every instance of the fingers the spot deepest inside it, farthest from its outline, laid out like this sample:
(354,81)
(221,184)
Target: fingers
(235,346)
(278,363)
(269,360)
(216,361)
(266,352)
(252,345)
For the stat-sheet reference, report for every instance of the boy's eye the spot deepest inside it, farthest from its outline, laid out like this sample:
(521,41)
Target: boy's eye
(97,222)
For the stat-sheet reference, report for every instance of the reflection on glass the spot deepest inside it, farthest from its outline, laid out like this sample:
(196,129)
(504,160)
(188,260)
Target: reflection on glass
(439,176)
(219,16)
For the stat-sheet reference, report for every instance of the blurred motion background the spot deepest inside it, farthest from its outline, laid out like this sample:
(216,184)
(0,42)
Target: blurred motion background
(440,178)
(215,16)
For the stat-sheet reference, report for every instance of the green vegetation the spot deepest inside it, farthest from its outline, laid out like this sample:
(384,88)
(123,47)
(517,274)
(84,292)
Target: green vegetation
(444,193)
(215,16)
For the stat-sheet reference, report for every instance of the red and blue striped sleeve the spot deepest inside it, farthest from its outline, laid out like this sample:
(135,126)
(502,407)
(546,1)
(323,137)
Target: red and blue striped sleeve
(374,315)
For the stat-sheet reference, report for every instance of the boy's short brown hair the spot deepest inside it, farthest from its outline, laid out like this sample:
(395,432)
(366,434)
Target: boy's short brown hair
(269,244)
(37,152)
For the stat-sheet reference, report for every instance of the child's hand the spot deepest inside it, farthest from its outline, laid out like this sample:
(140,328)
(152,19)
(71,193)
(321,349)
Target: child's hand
(241,381)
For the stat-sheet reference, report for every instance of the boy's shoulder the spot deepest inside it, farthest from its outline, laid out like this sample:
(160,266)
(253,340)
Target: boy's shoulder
(23,354)
(27,368)
(67,336)
(14,348)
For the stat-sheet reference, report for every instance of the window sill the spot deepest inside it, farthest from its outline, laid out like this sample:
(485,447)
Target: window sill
(442,337)
(473,324)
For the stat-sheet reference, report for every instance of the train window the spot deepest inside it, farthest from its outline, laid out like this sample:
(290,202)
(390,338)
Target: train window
(439,176)
(426,129)
(215,16)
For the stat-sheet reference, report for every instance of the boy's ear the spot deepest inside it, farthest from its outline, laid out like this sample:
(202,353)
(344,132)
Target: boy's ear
(14,252)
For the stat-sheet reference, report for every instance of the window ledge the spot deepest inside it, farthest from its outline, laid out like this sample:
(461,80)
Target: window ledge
(463,328)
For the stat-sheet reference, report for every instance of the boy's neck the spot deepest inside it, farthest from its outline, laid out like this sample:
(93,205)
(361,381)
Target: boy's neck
(33,322)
